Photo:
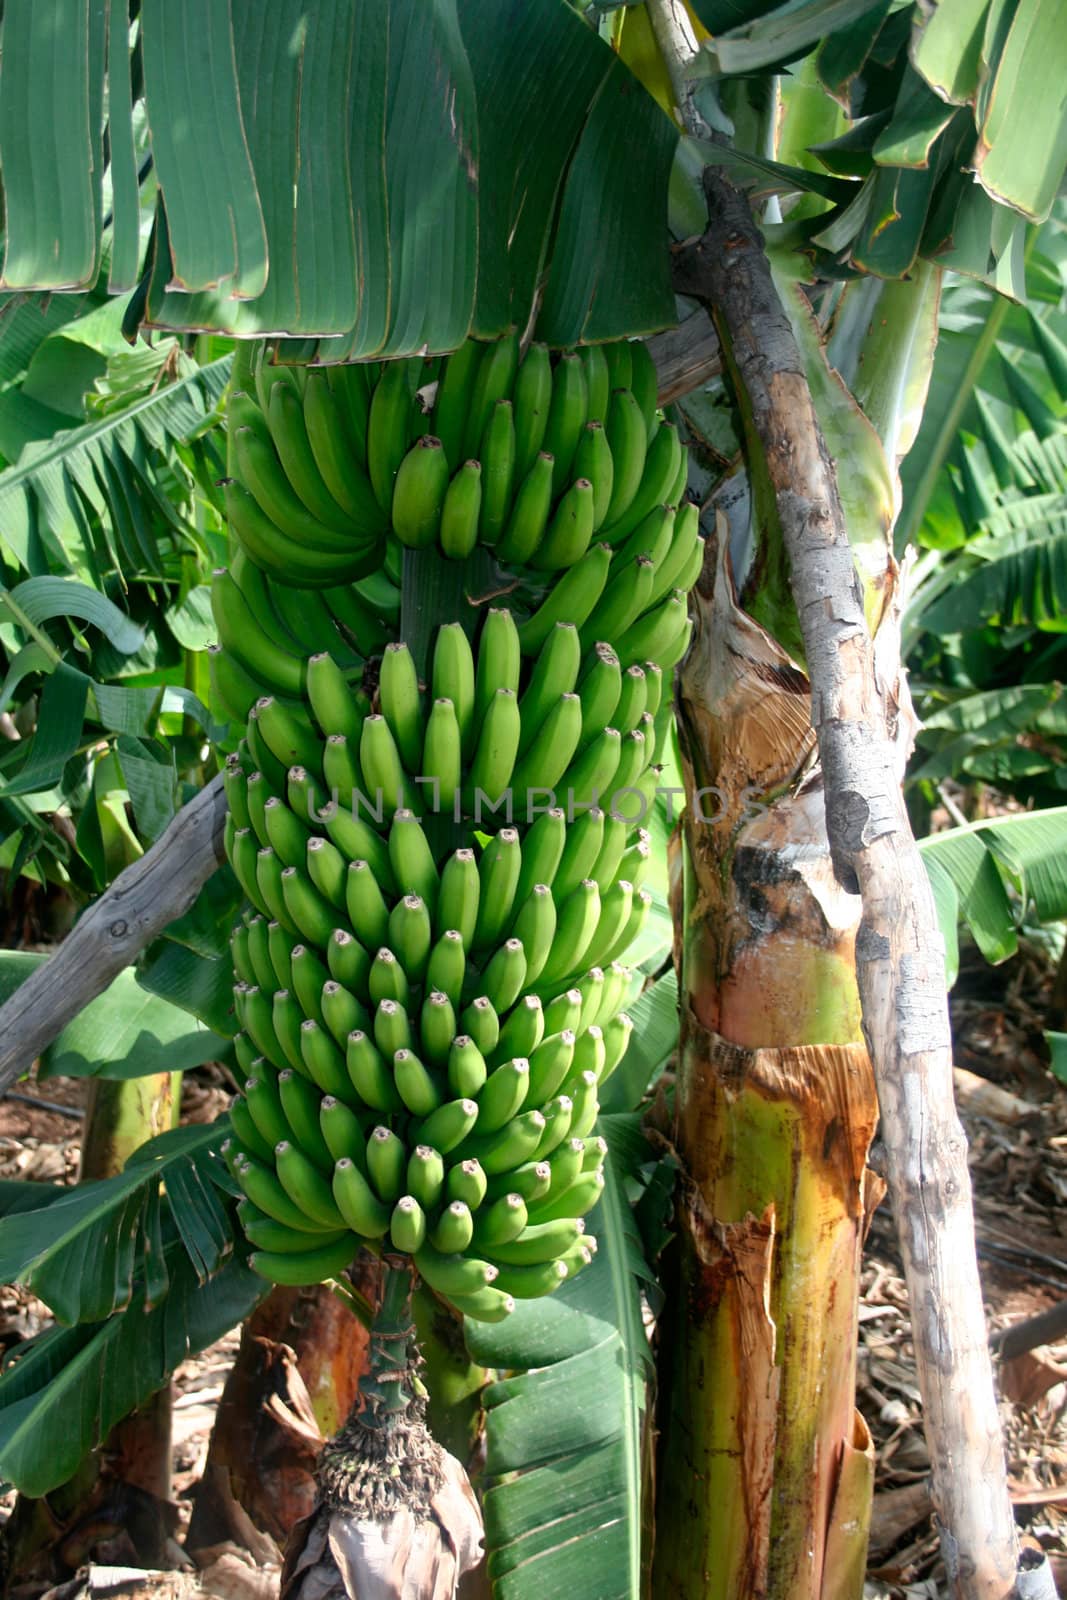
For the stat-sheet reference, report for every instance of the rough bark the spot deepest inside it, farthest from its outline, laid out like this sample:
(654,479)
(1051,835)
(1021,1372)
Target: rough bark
(129,914)
(900,966)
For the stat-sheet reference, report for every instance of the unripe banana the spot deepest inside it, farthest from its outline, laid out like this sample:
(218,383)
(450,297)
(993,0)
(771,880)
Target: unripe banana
(363,620)
(255,465)
(685,543)
(535,929)
(616,1040)
(549,756)
(341,771)
(311,914)
(563,1012)
(453,1230)
(592,987)
(387,979)
(559,1114)
(426,1176)
(349,963)
(327,870)
(461,512)
(267,883)
(454,1274)
(244,1127)
(487,1305)
(414,870)
(577,920)
(584,841)
(262,755)
(262,1186)
(572,599)
(288,735)
(505,975)
(242,636)
(656,635)
(616,834)
(369,1073)
(532,399)
(616,908)
(591,774)
(597,380)
(453,678)
(389,428)
(637,860)
(233,783)
(542,851)
(644,383)
(410,935)
(628,440)
(638,917)
(567,414)
(632,699)
(454,390)
(620,362)
(357,1202)
(499,660)
(323,1060)
(257,793)
(498,874)
(306,1186)
(392,1030)
(342,1132)
(351,387)
(309,1267)
(589,1056)
(242,961)
(618,982)
(634,757)
(568,534)
(292,559)
(442,759)
(330,439)
(308,977)
(492,382)
(496,752)
(466,1067)
(514,1144)
(531,1283)
(566,1164)
(592,460)
(447,1127)
(539,1242)
(234,690)
(286,835)
(342,1012)
(555,673)
(386,1164)
(481,1023)
(447,967)
(525,1025)
(458,900)
(387,789)
(415,1084)
(530,511)
(366,905)
(401,703)
(577,1201)
(247,1055)
(498,472)
(550,1064)
(266,1234)
(419,493)
(300,1103)
(407,1225)
(254,1015)
(502,1096)
(305,796)
(499,1222)
(287,1018)
(466,1181)
(652,537)
(532,1180)
(285,413)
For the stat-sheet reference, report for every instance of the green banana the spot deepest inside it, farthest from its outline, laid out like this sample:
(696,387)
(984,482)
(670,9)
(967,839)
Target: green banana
(677,563)
(622,602)
(652,537)
(419,493)
(495,753)
(447,966)
(308,976)
(351,386)
(531,1283)
(357,1202)
(266,373)
(493,381)
(577,1201)
(498,472)
(466,1181)
(348,962)
(295,561)
(285,414)
(387,979)
(233,783)
(392,1030)
(644,382)
(266,1234)
(306,797)
(461,512)
(568,412)
(655,635)
(300,1103)
(407,1225)
(634,757)
(597,380)
(584,842)
(242,960)
(288,735)
(628,440)
(401,703)
(568,534)
(335,706)
(425,1176)
(499,1223)
(324,1062)
(548,757)
(242,636)
(364,620)
(383,771)
(452,403)
(620,363)
(256,466)
(563,1012)
(329,438)
(442,758)
(453,1273)
(638,917)
(542,851)
(513,1145)
(637,859)
(589,1057)
(287,1017)
(342,1132)
(487,1305)
(341,1011)
(577,920)
(524,1027)
(306,1186)
(327,870)
(539,1242)
(312,915)
(254,1015)
(592,460)
(447,1127)
(499,660)
(615,912)
(529,513)
(263,598)
(481,1023)
(592,987)
(367,910)
(466,1068)
(498,876)
(505,975)
(453,1230)
(245,1128)
(437,1027)
(535,929)
(531,1181)
(555,673)
(566,1165)
(410,935)
(616,1040)
(268,879)
(308,1267)
(386,1164)
(233,690)
(458,899)
(606,869)
(572,599)
(590,774)
(502,1095)
(531,399)
(389,428)
(617,984)
(453,678)
(550,1062)
(260,1183)
(369,1074)
(632,699)
(414,870)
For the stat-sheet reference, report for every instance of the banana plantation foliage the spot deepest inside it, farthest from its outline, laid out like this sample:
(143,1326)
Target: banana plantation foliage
(461,469)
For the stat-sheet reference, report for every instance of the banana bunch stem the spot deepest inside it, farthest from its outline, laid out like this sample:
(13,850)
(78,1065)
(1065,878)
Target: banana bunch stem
(389,1386)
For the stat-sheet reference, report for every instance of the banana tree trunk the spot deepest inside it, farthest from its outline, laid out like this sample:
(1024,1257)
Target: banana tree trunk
(766,1470)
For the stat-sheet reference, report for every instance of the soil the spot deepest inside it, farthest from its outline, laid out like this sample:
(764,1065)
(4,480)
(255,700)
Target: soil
(1018,1159)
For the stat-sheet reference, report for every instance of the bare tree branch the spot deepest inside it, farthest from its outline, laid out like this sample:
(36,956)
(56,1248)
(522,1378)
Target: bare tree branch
(129,914)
